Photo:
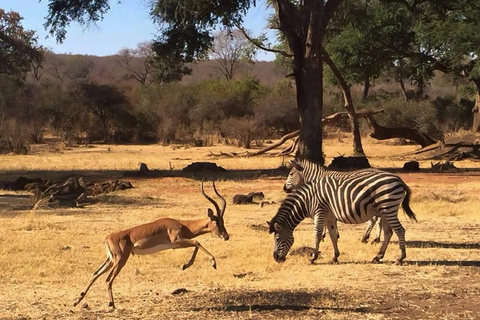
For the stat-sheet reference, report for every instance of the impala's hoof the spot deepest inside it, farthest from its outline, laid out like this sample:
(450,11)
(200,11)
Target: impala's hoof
(376,261)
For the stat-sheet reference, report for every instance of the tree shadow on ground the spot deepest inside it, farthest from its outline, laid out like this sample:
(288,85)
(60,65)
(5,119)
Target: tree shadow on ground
(445,245)
(279,300)
(447,263)
(15,201)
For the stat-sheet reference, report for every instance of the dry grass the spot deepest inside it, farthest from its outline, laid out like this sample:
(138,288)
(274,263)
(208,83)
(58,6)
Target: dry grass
(47,256)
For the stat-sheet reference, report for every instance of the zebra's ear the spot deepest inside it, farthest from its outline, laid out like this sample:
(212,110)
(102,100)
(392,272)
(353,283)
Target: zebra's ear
(270,229)
(296,165)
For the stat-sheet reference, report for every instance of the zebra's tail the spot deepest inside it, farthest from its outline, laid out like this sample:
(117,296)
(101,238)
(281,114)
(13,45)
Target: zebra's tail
(406,203)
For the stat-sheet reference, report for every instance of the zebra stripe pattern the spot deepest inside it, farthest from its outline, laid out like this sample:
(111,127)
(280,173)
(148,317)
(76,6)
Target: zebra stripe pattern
(304,171)
(346,199)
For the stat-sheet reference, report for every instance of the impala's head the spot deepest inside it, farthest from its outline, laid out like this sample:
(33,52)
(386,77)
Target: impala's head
(295,177)
(216,219)
(283,238)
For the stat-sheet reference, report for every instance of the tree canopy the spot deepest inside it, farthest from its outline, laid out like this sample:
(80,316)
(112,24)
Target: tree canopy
(186,29)
(18,47)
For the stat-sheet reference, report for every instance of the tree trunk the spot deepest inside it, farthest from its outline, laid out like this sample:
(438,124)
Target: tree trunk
(476,108)
(401,80)
(366,88)
(347,96)
(303,24)
(309,83)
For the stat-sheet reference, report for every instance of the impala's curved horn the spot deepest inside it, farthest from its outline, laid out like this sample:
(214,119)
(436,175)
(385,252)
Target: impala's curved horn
(211,200)
(224,203)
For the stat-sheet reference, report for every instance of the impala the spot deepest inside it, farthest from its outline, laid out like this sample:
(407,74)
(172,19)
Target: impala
(159,235)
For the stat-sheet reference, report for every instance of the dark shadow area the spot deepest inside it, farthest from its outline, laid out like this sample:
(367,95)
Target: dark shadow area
(279,300)
(16,201)
(445,245)
(278,307)
(460,263)
(96,175)
(9,176)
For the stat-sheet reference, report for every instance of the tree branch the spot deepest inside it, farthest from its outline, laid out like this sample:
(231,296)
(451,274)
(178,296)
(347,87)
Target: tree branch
(262,47)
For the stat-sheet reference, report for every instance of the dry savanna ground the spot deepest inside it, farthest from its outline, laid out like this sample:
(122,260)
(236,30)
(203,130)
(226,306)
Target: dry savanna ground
(47,256)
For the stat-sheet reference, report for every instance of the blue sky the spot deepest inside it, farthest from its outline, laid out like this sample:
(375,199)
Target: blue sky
(124,26)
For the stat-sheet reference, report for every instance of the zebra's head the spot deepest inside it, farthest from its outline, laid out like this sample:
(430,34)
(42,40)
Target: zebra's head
(283,240)
(295,177)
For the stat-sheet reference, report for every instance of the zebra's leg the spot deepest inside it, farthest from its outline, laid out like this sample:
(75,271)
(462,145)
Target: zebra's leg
(324,234)
(379,231)
(387,230)
(333,232)
(318,220)
(371,224)
(400,232)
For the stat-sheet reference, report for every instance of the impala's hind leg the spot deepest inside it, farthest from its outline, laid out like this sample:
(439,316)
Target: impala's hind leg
(101,270)
(119,263)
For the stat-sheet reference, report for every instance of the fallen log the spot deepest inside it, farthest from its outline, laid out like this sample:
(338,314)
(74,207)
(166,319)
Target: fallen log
(327,120)
(383,133)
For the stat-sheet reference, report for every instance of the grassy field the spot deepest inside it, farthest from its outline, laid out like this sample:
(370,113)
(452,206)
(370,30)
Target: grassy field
(47,256)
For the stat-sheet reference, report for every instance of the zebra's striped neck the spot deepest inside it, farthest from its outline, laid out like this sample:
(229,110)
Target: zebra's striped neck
(296,207)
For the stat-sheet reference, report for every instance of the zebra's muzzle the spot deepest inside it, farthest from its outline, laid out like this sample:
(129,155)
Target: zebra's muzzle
(278,258)
(286,189)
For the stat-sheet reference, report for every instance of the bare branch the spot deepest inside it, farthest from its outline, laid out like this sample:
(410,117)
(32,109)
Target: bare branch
(262,47)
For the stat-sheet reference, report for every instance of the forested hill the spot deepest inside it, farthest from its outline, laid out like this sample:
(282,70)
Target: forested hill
(107,69)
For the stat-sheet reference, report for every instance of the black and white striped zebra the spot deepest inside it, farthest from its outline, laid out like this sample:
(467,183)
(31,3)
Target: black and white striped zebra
(304,171)
(350,200)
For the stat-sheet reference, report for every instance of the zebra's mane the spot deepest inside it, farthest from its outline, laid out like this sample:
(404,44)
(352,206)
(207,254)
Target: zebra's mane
(291,207)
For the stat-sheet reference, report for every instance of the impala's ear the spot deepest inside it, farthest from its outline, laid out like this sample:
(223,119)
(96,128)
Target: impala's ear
(210,213)
(296,165)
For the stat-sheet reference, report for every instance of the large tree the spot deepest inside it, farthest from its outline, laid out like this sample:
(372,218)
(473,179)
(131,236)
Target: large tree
(186,34)
(230,49)
(18,47)
(447,35)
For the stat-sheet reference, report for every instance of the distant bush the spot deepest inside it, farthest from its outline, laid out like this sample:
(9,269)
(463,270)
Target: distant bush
(454,115)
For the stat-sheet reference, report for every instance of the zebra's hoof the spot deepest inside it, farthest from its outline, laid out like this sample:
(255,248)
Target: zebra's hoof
(376,240)
(334,261)
(376,261)
(364,240)
(399,262)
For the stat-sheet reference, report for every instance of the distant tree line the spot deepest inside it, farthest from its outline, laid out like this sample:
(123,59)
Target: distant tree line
(77,100)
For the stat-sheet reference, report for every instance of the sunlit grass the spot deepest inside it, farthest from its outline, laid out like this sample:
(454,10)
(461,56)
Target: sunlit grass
(47,256)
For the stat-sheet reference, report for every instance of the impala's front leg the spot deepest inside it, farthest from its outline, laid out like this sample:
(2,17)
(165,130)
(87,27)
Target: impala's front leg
(186,243)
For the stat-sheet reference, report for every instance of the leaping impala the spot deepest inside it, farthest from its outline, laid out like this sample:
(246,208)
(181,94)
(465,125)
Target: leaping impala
(159,235)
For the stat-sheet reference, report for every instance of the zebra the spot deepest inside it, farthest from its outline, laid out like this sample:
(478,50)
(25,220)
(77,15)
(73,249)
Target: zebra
(304,171)
(351,200)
